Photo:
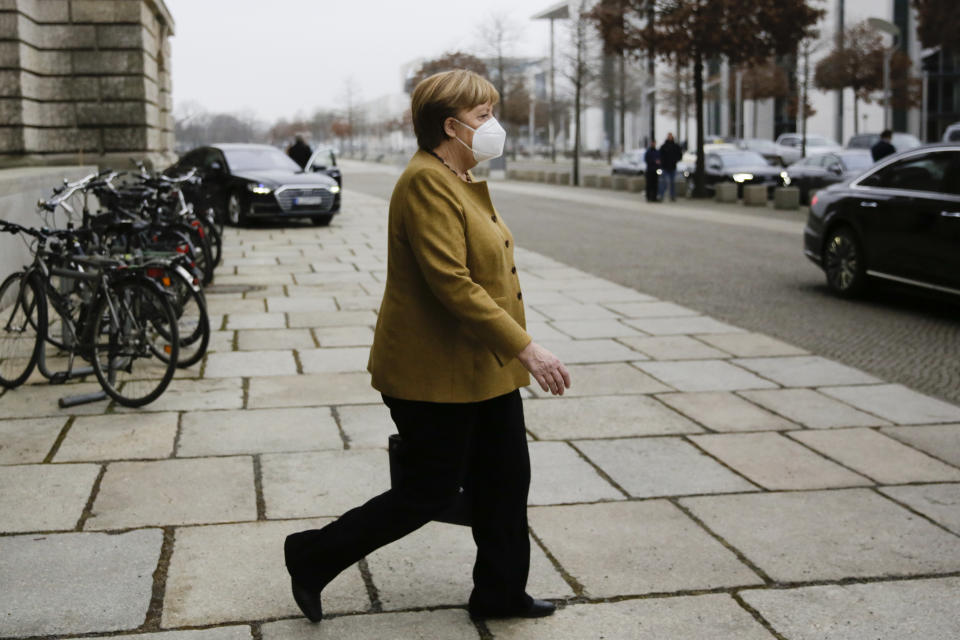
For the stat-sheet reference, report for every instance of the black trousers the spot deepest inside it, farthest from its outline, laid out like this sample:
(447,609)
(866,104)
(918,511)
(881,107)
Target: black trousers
(479,445)
(652,187)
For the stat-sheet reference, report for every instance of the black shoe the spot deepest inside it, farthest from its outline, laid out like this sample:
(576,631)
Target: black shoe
(308,601)
(537,609)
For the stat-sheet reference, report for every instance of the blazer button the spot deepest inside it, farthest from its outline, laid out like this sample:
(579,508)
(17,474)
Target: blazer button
(494,218)
(513,270)
(506,243)
(519,296)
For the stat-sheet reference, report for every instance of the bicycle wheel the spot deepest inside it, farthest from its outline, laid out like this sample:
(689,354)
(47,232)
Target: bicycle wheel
(23,323)
(193,322)
(132,321)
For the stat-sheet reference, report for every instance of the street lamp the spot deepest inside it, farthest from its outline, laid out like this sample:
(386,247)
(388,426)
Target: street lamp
(886,27)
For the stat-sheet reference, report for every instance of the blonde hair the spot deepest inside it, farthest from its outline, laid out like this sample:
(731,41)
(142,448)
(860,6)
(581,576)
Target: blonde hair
(442,96)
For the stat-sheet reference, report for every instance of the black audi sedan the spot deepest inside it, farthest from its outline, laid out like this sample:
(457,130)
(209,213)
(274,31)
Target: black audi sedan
(248,181)
(823,169)
(899,221)
(741,167)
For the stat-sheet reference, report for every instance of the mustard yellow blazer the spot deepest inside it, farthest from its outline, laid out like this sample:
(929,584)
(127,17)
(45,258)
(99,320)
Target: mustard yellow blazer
(451,321)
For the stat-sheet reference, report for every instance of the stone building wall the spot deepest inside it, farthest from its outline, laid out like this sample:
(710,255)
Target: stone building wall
(85,81)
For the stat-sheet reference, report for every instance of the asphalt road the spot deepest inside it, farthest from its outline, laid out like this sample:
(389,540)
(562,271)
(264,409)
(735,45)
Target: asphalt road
(739,265)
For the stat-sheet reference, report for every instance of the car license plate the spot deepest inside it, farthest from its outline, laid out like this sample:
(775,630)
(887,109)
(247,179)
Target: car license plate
(308,200)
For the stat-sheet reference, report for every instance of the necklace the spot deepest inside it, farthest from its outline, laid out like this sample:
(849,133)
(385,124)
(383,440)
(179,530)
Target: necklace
(466,176)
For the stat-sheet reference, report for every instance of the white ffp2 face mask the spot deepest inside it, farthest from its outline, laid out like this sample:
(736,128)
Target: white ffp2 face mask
(488,140)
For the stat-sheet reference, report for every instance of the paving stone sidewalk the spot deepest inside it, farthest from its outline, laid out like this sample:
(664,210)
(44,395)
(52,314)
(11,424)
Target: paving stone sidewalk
(698,482)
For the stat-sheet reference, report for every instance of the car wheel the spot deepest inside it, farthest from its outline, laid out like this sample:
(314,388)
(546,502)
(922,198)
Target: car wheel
(843,263)
(322,221)
(235,212)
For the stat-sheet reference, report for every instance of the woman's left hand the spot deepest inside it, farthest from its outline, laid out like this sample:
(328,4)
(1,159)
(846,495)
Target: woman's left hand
(546,368)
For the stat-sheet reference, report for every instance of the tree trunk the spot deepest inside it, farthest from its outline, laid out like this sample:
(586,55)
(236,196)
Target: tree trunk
(623,101)
(856,114)
(699,189)
(576,131)
(756,115)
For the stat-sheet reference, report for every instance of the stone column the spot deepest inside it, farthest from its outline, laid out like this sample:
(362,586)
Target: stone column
(85,82)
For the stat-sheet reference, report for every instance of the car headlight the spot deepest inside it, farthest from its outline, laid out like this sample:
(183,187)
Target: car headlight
(335,189)
(659,172)
(742,177)
(786,178)
(258,189)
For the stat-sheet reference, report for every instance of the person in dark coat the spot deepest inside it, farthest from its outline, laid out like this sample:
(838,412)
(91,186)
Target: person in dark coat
(300,152)
(670,155)
(652,159)
(883,148)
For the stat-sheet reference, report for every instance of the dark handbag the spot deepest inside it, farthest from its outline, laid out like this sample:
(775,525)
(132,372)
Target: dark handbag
(458,513)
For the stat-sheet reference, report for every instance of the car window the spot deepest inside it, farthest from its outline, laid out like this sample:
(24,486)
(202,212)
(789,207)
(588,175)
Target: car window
(954,135)
(925,172)
(742,159)
(265,158)
(857,161)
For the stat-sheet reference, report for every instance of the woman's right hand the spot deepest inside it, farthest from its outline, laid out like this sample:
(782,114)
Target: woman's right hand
(546,368)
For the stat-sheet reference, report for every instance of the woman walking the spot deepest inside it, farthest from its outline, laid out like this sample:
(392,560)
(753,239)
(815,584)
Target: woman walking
(449,356)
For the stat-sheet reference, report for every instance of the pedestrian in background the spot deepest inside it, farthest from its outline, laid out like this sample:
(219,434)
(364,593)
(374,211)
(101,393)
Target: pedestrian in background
(883,147)
(652,159)
(450,354)
(670,155)
(300,152)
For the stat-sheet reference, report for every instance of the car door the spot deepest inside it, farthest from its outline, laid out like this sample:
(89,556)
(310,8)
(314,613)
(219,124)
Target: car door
(902,210)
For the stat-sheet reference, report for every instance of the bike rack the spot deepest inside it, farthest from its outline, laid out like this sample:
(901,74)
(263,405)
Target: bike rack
(59,377)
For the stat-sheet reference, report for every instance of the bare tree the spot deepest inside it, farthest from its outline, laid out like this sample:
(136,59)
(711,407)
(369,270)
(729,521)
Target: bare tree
(579,72)
(446,62)
(351,112)
(677,94)
(496,37)
(763,81)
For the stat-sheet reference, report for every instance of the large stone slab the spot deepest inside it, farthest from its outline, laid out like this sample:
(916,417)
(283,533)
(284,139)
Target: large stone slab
(724,411)
(344,336)
(708,617)
(28,440)
(301,303)
(751,345)
(44,497)
(651,310)
(624,548)
(433,566)
(236,572)
(805,371)
(777,463)
(680,326)
(939,502)
(609,379)
(322,483)
(443,624)
(250,364)
(655,467)
(896,403)
(219,433)
(197,395)
(561,476)
(272,339)
(260,320)
(828,535)
(335,359)
(590,351)
(812,409)
(587,329)
(942,441)
(40,400)
(310,319)
(673,348)
(366,426)
(77,582)
(575,311)
(602,417)
(881,611)
(877,456)
(608,294)
(118,437)
(312,390)
(235,632)
(175,492)
(704,375)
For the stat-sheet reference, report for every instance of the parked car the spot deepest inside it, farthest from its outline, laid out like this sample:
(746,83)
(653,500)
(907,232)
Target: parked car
(629,163)
(823,169)
(790,146)
(740,167)
(688,162)
(952,133)
(899,221)
(247,181)
(767,148)
(900,141)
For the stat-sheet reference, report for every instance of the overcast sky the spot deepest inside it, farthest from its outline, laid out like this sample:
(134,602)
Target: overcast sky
(276,58)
